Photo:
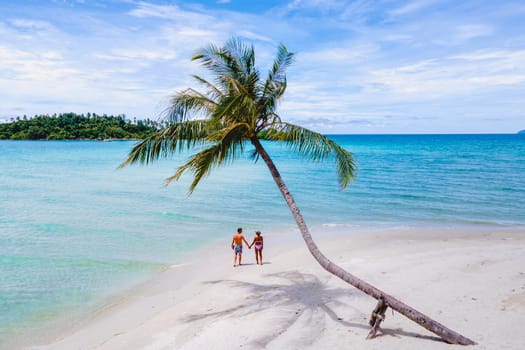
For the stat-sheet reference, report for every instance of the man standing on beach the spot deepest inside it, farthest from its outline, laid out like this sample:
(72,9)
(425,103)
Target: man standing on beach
(237,240)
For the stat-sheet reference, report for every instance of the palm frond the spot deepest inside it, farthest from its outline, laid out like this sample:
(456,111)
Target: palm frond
(275,84)
(176,137)
(183,104)
(242,54)
(219,62)
(213,91)
(281,63)
(235,60)
(200,164)
(315,146)
(231,133)
(208,57)
(229,144)
(238,107)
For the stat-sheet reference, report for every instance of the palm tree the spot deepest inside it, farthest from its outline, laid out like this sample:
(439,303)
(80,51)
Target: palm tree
(238,108)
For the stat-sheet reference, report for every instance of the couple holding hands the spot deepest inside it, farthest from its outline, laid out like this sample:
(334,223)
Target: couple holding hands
(237,240)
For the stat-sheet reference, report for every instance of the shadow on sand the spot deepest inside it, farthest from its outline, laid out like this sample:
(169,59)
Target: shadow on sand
(299,294)
(264,263)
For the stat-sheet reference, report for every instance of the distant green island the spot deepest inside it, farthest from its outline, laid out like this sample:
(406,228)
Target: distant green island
(71,126)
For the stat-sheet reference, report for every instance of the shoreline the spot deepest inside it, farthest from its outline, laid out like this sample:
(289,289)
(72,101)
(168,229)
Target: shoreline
(206,292)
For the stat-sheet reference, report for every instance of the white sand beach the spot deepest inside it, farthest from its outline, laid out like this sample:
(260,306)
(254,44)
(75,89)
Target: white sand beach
(471,281)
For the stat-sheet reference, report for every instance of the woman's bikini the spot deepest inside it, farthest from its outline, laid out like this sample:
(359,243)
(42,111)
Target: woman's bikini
(259,244)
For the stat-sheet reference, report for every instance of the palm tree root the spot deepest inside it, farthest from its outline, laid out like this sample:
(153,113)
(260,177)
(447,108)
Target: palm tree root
(378,316)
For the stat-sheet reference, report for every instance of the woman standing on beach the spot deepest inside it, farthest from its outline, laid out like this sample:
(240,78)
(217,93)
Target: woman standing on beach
(258,242)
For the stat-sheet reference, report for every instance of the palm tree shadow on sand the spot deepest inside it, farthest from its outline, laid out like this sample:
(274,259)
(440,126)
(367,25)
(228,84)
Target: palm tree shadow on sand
(303,298)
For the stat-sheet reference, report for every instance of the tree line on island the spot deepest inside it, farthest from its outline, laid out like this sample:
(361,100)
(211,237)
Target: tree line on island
(72,126)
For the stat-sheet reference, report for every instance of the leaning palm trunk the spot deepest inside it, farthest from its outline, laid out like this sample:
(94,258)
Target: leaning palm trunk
(239,106)
(386,300)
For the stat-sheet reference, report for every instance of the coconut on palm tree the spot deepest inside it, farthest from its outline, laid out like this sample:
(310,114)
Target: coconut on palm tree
(236,109)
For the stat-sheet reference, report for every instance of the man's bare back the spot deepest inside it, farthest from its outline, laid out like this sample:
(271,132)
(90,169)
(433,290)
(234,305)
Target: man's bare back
(237,240)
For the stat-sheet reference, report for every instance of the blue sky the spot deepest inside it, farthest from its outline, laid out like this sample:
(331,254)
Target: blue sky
(385,66)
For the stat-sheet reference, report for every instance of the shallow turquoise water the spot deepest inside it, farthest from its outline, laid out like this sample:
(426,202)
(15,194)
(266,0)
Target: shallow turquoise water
(74,230)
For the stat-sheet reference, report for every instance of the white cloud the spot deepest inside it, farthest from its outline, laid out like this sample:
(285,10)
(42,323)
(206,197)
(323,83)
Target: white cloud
(485,55)
(340,54)
(411,7)
(321,6)
(27,24)
(470,31)
(130,55)
(168,12)
(454,75)
(33,65)
(144,9)
(248,34)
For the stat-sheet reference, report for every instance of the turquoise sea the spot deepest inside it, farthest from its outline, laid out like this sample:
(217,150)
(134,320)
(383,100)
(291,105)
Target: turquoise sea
(75,231)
